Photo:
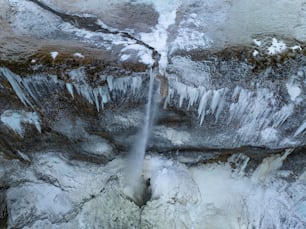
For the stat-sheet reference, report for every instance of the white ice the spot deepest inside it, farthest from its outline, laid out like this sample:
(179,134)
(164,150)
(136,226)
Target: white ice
(300,129)
(222,195)
(143,53)
(15,82)
(15,120)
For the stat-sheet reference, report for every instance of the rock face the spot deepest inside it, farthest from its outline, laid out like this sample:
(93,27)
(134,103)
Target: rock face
(74,81)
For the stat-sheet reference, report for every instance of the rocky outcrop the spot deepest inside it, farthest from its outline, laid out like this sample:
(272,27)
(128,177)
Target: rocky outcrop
(74,82)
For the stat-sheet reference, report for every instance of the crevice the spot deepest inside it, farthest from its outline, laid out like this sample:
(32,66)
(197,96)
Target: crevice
(90,24)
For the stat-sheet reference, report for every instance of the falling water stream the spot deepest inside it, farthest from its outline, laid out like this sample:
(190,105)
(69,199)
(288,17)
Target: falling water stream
(134,181)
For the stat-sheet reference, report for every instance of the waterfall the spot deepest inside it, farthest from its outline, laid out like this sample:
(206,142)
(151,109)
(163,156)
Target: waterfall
(135,185)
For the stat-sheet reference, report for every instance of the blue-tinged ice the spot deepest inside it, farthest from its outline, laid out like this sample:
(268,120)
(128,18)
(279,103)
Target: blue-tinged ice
(202,105)
(14,120)
(15,82)
(300,129)
(70,89)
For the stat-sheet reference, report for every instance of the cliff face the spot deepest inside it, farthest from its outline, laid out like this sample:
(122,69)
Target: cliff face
(230,78)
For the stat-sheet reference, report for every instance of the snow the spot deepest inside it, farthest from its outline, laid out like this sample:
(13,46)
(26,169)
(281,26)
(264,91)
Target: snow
(222,195)
(255,53)
(125,57)
(257,42)
(15,119)
(277,47)
(72,194)
(176,137)
(269,135)
(159,35)
(296,47)
(144,54)
(54,54)
(293,90)
(79,55)
(190,34)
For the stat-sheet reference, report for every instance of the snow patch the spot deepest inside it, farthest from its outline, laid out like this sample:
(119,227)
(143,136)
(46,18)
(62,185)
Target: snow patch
(293,90)
(143,53)
(269,135)
(257,42)
(277,47)
(54,54)
(255,53)
(174,136)
(79,55)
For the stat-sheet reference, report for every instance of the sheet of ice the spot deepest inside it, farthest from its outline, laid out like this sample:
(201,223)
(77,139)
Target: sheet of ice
(144,54)
(170,181)
(97,39)
(222,195)
(190,35)
(47,200)
(159,35)
(15,119)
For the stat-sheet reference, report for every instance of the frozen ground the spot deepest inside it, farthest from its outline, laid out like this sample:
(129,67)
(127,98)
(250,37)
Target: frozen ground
(56,193)
(92,109)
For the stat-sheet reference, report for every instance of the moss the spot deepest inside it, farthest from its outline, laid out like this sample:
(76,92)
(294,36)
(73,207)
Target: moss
(93,60)
(244,54)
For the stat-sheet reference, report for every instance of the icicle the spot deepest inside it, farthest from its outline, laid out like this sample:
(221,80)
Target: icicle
(86,92)
(110,80)
(270,165)
(202,106)
(105,97)
(25,83)
(136,84)
(281,116)
(300,129)
(15,82)
(70,89)
(220,108)
(14,119)
(215,100)
(193,95)
(236,92)
(96,98)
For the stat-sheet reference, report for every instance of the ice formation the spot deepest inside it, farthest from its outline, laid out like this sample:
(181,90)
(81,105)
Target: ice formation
(15,120)
(301,129)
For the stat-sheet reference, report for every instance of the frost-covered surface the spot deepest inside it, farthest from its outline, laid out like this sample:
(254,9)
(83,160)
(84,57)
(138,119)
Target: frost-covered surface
(58,193)
(89,102)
